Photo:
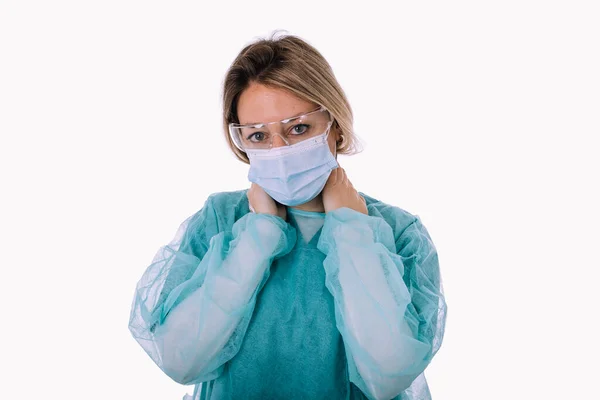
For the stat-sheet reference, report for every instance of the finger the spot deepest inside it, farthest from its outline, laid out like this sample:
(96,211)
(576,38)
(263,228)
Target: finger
(333,176)
(248,196)
(340,176)
(257,190)
(344,177)
(349,182)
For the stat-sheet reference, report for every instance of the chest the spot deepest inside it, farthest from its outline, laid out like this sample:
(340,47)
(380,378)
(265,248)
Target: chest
(293,331)
(295,306)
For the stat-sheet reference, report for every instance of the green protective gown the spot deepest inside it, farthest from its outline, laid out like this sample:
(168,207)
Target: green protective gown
(322,306)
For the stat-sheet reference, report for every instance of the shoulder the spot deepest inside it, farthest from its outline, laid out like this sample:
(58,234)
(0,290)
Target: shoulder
(397,218)
(224,208)
(228,202)
(411,236)
(393,215)
(218,214)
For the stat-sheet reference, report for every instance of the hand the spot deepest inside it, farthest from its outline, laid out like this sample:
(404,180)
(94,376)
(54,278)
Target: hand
(261,203)
(339,192)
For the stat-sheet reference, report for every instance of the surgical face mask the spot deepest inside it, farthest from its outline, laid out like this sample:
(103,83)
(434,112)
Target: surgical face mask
(293,175)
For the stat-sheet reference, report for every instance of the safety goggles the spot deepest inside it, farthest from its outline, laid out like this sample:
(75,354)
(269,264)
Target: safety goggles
(291,130)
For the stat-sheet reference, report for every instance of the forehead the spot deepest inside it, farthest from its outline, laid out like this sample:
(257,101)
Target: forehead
(260,103)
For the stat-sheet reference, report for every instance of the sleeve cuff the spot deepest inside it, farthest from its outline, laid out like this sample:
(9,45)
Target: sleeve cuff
(347,226)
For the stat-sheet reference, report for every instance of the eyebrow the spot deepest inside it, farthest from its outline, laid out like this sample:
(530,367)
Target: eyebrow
(294,116)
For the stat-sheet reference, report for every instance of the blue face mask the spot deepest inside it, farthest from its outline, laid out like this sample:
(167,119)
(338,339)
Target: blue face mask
(293,175)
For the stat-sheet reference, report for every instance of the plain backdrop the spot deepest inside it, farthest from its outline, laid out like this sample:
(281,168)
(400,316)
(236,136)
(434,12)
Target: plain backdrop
(480,117)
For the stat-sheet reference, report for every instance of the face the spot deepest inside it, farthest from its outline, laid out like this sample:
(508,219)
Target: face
(260,103)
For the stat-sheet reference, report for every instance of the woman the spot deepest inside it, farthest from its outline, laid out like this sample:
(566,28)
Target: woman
(299,287)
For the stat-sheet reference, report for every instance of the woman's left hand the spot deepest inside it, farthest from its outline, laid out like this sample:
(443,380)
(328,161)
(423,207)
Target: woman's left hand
(339,192)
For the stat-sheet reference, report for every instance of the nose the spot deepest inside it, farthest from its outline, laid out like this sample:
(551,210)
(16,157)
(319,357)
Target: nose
(278,141)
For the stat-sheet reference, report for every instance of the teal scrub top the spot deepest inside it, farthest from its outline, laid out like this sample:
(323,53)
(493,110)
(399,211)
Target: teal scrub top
(321,306)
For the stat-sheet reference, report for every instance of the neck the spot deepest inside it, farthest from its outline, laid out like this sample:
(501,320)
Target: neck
(315,205)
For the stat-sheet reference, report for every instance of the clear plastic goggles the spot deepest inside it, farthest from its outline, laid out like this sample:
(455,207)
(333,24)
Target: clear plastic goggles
(291,130)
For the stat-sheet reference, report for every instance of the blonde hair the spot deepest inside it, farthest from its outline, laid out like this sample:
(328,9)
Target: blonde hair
(290,63)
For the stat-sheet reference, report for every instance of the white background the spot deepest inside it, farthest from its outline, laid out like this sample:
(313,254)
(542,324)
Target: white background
(480,117)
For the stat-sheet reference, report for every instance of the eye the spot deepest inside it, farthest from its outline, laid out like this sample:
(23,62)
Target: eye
(256,137)
(300,129)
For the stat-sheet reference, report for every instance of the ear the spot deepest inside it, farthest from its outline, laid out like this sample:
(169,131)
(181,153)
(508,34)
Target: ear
(337,132)
(333,139)
(340,138)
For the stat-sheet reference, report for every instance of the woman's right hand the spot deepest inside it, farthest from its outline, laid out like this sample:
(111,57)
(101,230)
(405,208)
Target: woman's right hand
(261,203)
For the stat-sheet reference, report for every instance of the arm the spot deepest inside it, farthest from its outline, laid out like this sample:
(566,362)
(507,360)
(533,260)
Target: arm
(193,304)
(390,308)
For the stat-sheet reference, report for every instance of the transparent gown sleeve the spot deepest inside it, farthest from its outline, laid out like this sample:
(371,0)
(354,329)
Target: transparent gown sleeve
(390,307)
(193,304)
